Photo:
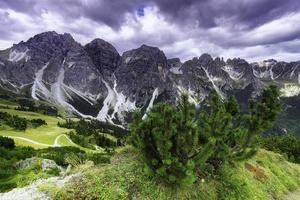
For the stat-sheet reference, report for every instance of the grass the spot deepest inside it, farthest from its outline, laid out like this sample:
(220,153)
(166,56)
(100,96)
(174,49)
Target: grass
(23,178)
(45,134)
(124,179)
(280,178)
(23,143)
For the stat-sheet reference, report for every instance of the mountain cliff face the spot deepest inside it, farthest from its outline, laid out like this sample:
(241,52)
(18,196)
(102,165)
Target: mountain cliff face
(95,81)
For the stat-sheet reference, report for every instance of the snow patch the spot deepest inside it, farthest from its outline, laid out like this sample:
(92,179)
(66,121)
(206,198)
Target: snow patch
(290,89)
(16,56)
(103,113)
(150,105)
(70,64)
(57,90)
(191,94)
(266,63)
(127,60)
(123,104)
(176,70)
(211,79)
(80,94)
(118,101)
(267,73)
(1,63)
(293,72)
(38,84)
(92,77)
(234,75)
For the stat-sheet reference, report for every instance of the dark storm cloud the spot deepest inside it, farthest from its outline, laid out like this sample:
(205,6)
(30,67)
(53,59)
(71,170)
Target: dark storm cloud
(9,26)
(218,24)
(251,13)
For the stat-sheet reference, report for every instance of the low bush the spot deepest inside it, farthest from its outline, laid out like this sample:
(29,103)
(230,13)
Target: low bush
(19,123)
(37,122)
(288,145)
(99,158)
(7,143)
(58,154)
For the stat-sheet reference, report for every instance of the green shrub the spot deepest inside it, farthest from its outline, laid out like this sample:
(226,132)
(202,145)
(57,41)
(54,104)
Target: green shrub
(177,143)
(37,122)
(7,143)
(58,154)
(99,158)
(288,145)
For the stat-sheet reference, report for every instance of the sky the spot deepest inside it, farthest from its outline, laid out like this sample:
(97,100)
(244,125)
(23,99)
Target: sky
(251,29)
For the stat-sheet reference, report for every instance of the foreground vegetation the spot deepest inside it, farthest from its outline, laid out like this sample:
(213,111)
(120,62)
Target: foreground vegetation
(179,146)
(287,145)
(176,152)
(11,176)
(266,176)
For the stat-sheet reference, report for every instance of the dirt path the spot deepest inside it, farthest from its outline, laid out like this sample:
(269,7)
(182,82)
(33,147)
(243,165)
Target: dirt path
(29,140)
(58,137)
(293,195)
(55,144)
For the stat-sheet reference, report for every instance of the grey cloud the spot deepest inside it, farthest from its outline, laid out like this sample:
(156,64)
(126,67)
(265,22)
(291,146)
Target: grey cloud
(195,19)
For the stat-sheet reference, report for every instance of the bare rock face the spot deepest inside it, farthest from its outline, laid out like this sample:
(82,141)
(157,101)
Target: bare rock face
(143,75)
(104,56)
(40,163)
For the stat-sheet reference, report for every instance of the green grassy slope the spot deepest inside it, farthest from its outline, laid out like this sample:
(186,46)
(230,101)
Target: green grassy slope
(45,134)
(124,179)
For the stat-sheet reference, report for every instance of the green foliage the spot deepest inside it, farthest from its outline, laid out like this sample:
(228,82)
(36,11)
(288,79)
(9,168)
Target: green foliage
(20,123)
(11,177)
(37,122)
(169,140)
(58,154)
(103,141)
(74,159)
(176,143)
(288,145)
(14,121)
(8,158)
(90,127)
(89,133)
(125,179)
(30,105)
(99,158)
(7,143)
(82,140)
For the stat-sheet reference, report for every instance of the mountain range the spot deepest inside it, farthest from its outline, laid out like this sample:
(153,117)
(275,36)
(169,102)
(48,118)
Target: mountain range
(95,81)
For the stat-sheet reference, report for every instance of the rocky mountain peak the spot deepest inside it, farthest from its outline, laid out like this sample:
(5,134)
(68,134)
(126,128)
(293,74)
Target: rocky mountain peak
(236,61)
(95,80)
(205,59)
(174,62)
(145,52)
(104,56)
(101,44)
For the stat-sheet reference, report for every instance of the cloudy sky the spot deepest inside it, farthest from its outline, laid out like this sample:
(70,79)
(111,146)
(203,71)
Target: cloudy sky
(250,29)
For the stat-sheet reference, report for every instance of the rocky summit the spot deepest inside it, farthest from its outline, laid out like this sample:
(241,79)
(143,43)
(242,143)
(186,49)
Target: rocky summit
(96,81)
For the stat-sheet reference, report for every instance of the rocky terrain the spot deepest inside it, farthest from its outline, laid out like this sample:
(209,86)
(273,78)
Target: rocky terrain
(96,81)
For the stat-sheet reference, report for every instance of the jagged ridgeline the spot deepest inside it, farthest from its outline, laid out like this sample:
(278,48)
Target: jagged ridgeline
(95,81)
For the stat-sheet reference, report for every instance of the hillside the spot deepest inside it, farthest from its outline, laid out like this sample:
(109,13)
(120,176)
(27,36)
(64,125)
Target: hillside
(38,137)
(266,176)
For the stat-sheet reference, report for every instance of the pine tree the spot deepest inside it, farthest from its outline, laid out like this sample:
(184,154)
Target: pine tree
(176,143)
